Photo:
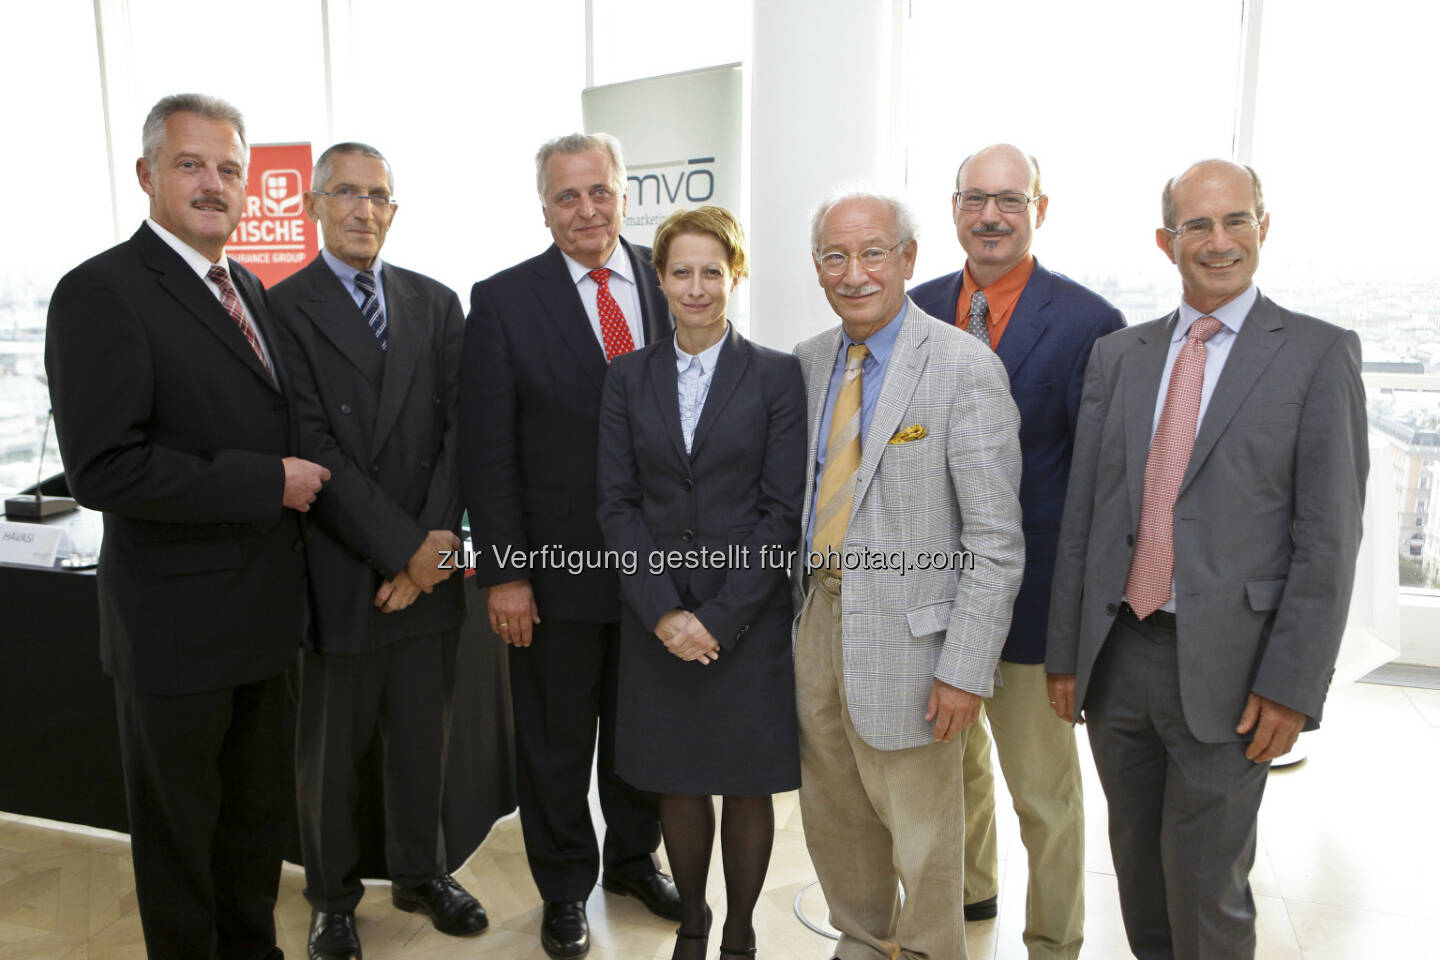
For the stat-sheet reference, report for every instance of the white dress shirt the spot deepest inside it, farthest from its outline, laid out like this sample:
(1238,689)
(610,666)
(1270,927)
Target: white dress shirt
(694,373)
(622,287)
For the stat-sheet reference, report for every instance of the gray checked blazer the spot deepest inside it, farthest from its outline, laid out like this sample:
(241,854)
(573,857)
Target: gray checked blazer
(954,489)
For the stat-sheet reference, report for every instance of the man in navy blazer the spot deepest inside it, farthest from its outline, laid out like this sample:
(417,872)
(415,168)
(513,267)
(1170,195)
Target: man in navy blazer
(1042,325)
(537,346)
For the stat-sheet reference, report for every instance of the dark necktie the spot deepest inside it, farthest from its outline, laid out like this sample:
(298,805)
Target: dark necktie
(979,317)
(370,309)
(230,300)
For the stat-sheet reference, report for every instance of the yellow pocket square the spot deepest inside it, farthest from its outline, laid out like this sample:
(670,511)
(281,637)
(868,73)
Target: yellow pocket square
(912,432)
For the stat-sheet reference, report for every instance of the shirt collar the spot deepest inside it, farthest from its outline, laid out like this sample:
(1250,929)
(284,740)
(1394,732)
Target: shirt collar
(344,271)
(707,357)
(196,260)
(1231,315)
(882,341)
(618,264)
(1011,284)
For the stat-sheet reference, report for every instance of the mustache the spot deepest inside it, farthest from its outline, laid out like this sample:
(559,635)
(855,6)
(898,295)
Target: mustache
(210,202)
(992,230)
(864,289)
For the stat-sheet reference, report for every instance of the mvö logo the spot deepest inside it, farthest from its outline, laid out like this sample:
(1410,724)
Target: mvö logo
(666,183)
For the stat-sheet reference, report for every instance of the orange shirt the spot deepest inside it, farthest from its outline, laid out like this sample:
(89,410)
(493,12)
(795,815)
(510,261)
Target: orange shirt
(1002,295)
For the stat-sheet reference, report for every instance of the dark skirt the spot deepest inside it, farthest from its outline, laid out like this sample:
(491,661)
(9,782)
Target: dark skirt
(725,728)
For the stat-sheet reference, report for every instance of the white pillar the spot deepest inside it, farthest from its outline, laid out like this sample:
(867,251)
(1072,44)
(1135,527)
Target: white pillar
(825,110)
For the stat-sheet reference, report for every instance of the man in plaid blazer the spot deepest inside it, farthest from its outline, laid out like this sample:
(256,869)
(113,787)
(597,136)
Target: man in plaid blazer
(909,567)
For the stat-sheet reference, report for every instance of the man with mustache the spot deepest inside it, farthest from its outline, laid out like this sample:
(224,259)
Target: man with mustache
(911,556)
(173,418)
(538,342)
(1042,326)
(374,350)
(1205,564)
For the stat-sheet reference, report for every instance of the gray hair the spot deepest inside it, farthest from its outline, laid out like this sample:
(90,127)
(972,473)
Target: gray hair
(152,137)
(904,219)
(1167,196)
(325,166)
(580,143)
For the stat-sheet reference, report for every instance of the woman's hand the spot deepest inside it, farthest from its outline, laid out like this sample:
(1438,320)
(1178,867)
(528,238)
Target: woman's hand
(686,637)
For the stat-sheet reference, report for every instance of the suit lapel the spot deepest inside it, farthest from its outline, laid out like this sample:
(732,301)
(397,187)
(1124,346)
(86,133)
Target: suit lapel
(729,369)
(1259,337)
(1149,357)
(561,302)
(902,376)
(253,295)
(665,392)
(185,286)
(818,369)
(407,337)
(1027,321)
(654,311)
(333,311)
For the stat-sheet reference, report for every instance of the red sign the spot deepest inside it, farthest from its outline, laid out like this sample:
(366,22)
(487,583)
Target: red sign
(274,238)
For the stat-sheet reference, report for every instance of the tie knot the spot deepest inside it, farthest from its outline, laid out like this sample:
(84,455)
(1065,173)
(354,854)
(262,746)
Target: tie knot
(978,303)
(600,275)
(219,276)
(365,280)
(855,356)
(1204,328)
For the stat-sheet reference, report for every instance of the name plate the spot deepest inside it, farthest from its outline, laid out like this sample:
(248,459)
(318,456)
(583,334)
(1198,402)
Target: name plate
(29,544)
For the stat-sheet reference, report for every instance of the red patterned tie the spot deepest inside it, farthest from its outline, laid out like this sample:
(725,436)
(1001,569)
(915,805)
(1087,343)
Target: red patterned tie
(230,300)
(1153,567)
(613,328)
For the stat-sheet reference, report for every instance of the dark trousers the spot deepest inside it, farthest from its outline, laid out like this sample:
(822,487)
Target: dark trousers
(402,693)
(561,685)
(1182,812)
(204,776)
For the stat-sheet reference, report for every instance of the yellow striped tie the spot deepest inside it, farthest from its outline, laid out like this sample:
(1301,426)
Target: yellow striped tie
(842,461)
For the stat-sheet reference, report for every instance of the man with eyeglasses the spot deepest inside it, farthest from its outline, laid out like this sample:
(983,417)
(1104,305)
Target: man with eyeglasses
(1042,326)
(1205,565)
(375,354)
(910,560)
(538,343)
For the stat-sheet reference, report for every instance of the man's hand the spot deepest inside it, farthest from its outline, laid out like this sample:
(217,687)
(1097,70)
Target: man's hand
(512,612)
(396,594)
(424,565)
(303,481)
(1061,687)
(688,640)
(1275,732)
(951,709)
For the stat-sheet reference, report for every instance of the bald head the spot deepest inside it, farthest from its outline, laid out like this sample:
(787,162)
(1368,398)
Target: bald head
(1208,171)
(996,241)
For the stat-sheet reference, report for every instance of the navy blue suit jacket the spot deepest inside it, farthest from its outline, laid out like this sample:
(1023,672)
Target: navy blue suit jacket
(1044,348)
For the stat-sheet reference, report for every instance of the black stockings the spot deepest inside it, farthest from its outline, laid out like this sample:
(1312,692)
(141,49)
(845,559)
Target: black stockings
(747,832)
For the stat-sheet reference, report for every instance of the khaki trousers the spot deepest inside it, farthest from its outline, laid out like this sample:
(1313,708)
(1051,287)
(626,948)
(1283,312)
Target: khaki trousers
(875,819)
(1042,771)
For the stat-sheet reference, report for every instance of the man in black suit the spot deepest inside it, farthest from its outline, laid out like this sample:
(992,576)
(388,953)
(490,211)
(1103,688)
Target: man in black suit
(172,418)
(374,351)
(537,344)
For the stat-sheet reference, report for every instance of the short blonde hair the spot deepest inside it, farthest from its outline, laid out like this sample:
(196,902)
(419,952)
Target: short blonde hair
(710,221)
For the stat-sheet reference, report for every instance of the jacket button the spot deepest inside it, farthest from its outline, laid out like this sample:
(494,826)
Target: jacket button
(1112,608)
(374,468)
(344,408)
(425,464)
(689,484)
(298,545)
(688,535)
(435,399)
(1129,539)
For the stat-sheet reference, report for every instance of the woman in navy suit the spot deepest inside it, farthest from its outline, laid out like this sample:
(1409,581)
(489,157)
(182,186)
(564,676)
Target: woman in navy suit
(702,467)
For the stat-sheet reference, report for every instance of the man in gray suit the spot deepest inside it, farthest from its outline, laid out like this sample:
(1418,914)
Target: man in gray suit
(375,355)
(911,558)
(1206,558)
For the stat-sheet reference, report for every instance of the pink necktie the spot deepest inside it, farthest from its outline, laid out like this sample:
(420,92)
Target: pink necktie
(1153,567)
(230,300)
(613,328)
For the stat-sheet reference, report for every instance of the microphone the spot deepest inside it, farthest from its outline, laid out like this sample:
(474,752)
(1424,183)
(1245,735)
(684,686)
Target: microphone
(39,506)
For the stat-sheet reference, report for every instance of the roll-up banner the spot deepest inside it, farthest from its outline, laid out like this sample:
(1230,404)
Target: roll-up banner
(274,237)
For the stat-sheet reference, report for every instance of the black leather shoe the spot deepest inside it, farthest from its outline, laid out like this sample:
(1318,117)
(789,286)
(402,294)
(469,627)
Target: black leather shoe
(982,909)
(564,931)
(449,907)
(655,890)
(333,936)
